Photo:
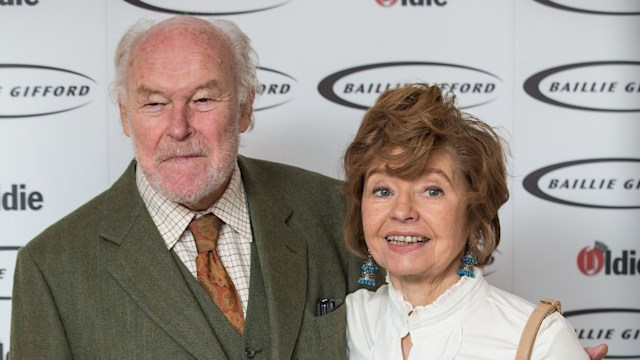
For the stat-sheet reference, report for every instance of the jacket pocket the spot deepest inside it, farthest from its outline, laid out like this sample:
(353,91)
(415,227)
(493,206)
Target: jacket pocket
(333,323)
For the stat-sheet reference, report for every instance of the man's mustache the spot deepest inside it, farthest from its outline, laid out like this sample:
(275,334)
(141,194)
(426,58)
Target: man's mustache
(193,147)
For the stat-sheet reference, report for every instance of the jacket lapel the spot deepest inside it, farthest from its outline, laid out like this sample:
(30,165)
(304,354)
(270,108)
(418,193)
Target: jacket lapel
(144,268)
(283,257)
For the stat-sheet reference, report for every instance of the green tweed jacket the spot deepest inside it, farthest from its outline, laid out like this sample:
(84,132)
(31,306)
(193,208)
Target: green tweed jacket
(101,284)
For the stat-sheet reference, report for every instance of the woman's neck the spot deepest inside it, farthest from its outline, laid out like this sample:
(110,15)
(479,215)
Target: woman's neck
(420,291)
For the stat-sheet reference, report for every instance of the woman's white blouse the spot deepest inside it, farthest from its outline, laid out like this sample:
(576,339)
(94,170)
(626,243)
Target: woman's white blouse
(472,320)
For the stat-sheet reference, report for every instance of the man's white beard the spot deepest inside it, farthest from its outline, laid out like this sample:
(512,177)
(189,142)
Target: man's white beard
(215,178)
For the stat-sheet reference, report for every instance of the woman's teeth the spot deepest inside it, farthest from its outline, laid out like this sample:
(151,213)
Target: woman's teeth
(404,240)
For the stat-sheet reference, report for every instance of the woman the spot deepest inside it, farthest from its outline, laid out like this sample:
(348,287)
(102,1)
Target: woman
(425,183)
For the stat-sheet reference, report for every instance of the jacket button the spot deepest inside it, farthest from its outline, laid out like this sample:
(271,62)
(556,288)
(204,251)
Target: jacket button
(249,352)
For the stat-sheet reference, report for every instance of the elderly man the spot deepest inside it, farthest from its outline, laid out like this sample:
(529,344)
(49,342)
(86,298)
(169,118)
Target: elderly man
(122,277)
(195,252)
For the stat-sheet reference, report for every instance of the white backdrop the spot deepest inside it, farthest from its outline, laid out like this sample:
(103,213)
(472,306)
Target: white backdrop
(560,78)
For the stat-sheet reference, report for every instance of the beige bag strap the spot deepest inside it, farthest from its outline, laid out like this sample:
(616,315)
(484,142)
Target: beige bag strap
(545,308)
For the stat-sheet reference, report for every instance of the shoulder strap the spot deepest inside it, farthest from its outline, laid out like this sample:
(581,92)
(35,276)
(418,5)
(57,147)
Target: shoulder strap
(545,308)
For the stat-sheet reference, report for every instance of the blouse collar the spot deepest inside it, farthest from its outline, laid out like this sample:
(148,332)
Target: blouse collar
(449,309)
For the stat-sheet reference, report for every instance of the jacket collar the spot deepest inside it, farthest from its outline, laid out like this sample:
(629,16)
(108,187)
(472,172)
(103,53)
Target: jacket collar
(282,252)
(162,293)
(137,258)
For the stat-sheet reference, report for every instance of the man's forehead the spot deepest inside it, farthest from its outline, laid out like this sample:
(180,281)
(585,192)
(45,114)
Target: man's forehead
(176,55)
(145,90)
(181,35)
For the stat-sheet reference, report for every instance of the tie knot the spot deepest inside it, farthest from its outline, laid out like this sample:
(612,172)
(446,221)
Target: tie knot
(205,232)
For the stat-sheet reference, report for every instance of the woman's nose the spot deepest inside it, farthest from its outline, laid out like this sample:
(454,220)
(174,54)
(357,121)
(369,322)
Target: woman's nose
(404,209)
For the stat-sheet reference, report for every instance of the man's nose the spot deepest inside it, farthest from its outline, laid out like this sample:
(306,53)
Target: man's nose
(180,123)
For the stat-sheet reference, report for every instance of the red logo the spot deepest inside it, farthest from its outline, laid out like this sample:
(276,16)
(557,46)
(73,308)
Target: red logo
(591,259)
(386,3)
(599,259)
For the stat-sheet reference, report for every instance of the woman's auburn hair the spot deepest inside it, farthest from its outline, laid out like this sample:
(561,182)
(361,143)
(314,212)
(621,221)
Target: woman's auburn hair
(401,130)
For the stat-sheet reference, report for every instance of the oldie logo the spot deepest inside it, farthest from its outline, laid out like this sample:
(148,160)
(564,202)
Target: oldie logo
(17,3)
(593,183)
(358,87)
(596,259)
(32,90)
(610,7)
(619,328)
(612,86)
(17,197)
(277,89)
(208,8)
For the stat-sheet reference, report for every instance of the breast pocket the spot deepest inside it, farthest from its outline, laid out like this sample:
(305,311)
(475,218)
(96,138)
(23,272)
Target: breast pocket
(333,323)
(332,332)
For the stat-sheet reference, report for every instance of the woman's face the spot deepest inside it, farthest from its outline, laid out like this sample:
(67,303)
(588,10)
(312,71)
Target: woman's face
(416,229)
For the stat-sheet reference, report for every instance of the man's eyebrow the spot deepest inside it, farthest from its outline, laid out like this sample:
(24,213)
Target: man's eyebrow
(209,84)
(147,91)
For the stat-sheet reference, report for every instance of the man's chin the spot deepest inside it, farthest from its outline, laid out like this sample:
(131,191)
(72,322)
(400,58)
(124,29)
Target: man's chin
(181,189)
(189,186)
(185,198)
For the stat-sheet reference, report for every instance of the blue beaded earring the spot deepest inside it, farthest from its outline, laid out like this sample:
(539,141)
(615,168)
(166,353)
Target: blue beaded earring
(468,262)
(368,276)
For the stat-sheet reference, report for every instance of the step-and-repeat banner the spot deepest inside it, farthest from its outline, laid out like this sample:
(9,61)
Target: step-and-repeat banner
(560,78)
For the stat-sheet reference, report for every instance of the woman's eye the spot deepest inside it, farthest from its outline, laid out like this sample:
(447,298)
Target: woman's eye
(433,192)
(382,192)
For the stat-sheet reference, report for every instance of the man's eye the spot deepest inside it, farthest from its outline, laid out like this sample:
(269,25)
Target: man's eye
(203,104)
(153,104)
(153,107)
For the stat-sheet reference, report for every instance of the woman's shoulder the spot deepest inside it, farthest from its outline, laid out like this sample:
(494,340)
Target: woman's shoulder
(556,335)
(364,319)
(364,306)
(367,297)
(509,301)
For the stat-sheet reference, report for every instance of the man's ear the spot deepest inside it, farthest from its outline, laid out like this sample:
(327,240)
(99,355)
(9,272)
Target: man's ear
(123,118)
(246,112)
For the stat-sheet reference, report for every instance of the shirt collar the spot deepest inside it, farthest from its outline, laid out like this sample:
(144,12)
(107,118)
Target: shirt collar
(172,219)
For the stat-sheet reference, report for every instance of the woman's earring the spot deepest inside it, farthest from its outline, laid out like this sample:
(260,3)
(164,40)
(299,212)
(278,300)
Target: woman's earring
(468,262)
(368,276)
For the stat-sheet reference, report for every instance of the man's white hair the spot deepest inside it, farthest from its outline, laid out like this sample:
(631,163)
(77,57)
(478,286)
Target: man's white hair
(246,59)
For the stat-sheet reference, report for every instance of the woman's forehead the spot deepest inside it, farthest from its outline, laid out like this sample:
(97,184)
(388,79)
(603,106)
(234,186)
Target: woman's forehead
(436,162)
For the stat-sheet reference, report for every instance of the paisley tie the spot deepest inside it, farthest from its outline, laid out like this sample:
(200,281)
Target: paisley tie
(211,274)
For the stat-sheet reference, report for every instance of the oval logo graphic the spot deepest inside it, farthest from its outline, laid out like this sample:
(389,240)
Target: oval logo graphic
(277,89)
(386,3)
(609,7)
(360,86)
(618,328)
(32,90)
(208,8)
(595,86)
(592,183)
